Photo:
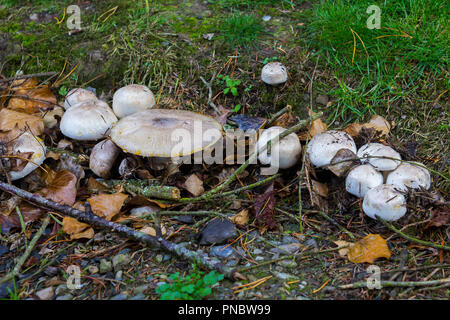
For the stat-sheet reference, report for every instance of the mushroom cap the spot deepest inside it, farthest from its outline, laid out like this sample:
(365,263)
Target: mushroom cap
(288,149)
(26,142)
(78,95)
(323,146)
(361,179)
(166,133)
(87,120)
(408,175)
(274,73)
(379,150)
(131,99)
(384,201)
(102,158)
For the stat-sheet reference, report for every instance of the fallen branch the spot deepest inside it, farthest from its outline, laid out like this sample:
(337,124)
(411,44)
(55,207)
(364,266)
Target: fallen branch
(25,76)
(422,242)
(363,284)
(27,252)
(147,189)
(197,257)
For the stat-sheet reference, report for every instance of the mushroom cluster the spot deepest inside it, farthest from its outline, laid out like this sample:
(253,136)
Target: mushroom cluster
(380,177)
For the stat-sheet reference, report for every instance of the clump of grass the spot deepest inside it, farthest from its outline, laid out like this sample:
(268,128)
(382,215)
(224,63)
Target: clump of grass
(241,30)
(250,3)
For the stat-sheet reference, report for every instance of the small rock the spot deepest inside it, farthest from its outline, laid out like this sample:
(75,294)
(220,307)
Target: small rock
(232,262)
(289,248)
(257,251)
(93,269)
(285,276)
(167,257)
(322,99)
(194,185)
(105,266)
(65,297)
(139,296)
(221,251)
(259,258)
(141,289)
(159,258)
(51,271)
(185,219)
(120,296)
(217,232)
(312,243)
(99,237)
(120,261)
(142,211)
(34,17)
(119,275)
(61,290)
(288,264)
(289,239)
(45,294)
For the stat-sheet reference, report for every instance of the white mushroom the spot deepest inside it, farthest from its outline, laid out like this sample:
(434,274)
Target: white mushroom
(361,179)
(323,147)
(377,151)
(408,175)
(274,73)
(78,95)
(284,154)
(131,99)
(166,133)
(25,143)
(102,158)
(384,201)
(87,120)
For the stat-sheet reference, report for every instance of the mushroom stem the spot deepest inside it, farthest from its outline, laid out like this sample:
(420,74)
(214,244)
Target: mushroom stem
(301,124)
(147,189)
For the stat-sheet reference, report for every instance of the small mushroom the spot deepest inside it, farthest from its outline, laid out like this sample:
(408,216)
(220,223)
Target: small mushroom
(25,143)
(87,120)
(166,133)
(131,99)
(374,153)
(274,73)
(78,95)
(287,151)
(102,158)
(323,146)
(361,179)
(408,175)
(384,201)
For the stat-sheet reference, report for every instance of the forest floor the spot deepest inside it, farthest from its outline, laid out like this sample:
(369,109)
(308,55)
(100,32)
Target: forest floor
(336,65)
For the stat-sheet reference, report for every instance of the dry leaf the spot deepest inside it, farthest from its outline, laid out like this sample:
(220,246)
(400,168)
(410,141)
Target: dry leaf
(368,249)
(379,124)
(345,247)
(61,187)
(320,188)
(264,205)
(21,84)
(339,164)
(317,127)
(353,129)
(194,185)
(440,217)
(32,100)
(76,229)
(241,218)
(152,232)
(13,123)
(29,214)
(107,205)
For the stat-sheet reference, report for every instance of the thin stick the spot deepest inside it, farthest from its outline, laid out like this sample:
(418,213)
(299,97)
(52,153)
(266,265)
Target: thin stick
(288,108)
(363,284)
(425,243)
(27,252)
(25,76)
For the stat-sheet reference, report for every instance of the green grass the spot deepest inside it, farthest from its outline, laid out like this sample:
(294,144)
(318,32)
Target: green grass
(241,30)
(412,41)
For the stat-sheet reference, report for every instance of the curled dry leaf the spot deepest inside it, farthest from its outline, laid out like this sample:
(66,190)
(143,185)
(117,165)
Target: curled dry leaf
(76,229)
(378,123)
(61,187)
(240,218)
(107,205)
(32,100)
(152,232)
(440,217)
(368,249)
(13,123)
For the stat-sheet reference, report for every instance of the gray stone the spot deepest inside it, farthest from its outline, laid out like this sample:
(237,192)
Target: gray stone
(51,271)
(120,296)
(61,290)
(5,288)
(289,248)
(159,258)
(288,264)
(105,266)
(141,289)
(139,296)
(65,297)
(93,269)
(45,294)
(120,261)
(312,243)
(218,231)
(257,251)
(285,276)
(119,275)
(222,252)
(289,239)
(322,99)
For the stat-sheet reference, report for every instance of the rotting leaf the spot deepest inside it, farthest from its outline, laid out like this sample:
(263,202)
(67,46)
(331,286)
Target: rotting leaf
(440,217)
(107,205)
(368,249)
(240,218)
(61,188)
(264,205)
(76,229)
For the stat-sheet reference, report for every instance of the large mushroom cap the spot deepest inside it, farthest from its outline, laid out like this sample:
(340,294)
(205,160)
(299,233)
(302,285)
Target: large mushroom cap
(131,99)
(25,143)
(286,152)
(324,146)
(87,120)
(274,73)
(361,179)
(78,95)
(166,133)
(378,151)
(408,175)
(384,201)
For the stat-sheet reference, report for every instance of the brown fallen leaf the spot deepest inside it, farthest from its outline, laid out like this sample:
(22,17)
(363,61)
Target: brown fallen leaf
(345,247)
(341,164)
(32,100)
(240,218)
(368,249)
(107,205)
(378,123)
(440,217)
(320,188)
(76,229)
(25,84)
(318,126)
(264,205)
(61,188)
(13,123)
(194,185)
(152,232)
(29,214)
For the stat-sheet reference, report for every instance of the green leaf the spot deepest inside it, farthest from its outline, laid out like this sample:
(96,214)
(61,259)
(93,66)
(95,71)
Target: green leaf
(189,288)
(204,292)
(237,108)
(234,91)
(226,90)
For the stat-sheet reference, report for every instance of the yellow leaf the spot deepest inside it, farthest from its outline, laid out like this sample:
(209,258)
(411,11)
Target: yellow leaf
(152,232)
(379,124)
(107,205)
(76,229)
(32,100)
(241,218)
(368,249)
(317,127)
